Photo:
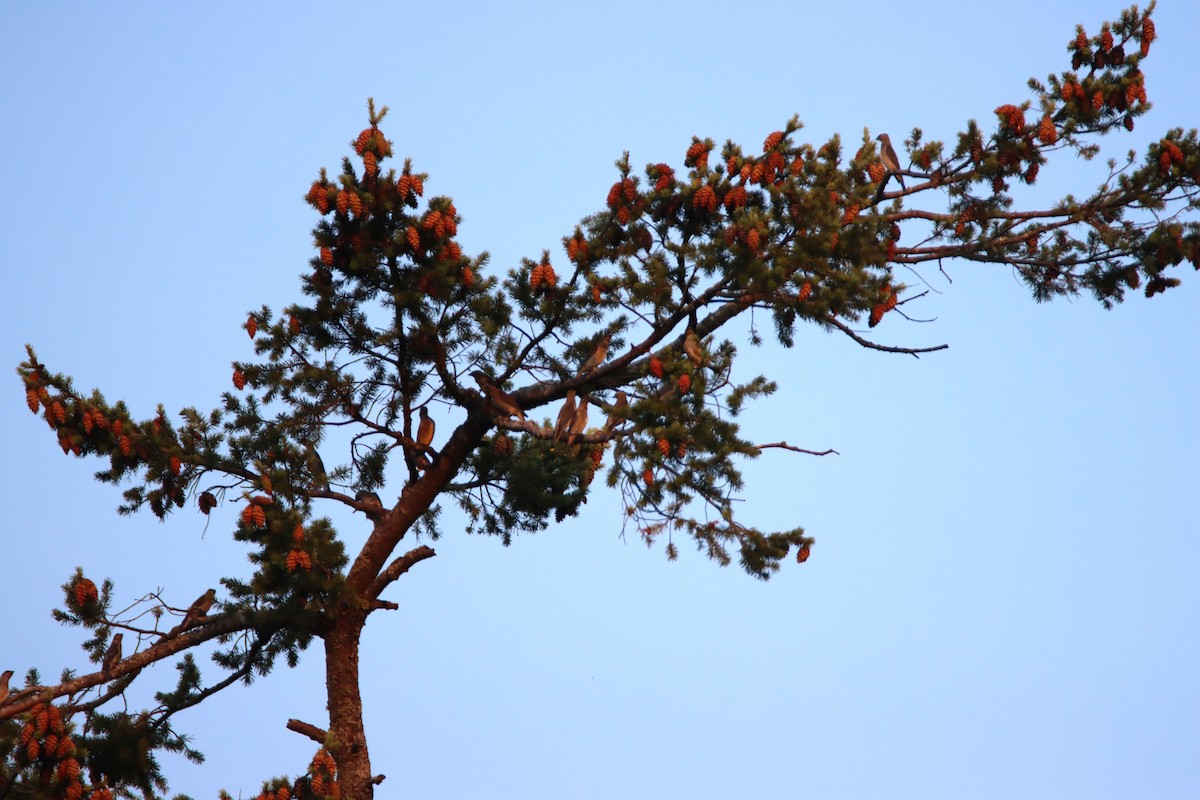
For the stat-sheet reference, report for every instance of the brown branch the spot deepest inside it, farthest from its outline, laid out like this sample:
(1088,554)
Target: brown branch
(318,735)
(218,626)
(398,567)
(786,446)
(912,351)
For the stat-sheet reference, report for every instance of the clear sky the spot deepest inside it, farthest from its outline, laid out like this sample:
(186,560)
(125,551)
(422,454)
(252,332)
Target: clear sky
(1002,601)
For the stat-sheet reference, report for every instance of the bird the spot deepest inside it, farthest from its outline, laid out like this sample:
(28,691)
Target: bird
(887,154)
(112,655)
(196,611)
(692,347)
(566,415)
(425,431)
(578,421)
(316,467)
(500,399)
(369,498)
(614,417)
(598,354)
(4,676)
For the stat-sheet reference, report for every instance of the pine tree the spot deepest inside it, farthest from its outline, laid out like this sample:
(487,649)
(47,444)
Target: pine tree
(400,326)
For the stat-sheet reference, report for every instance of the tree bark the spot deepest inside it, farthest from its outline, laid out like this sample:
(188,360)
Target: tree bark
(347,741)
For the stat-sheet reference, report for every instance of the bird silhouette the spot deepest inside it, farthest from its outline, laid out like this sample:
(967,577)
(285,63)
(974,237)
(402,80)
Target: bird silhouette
(566,415)
(316,467)
(598,354)
(578,421)
(112,655)
(692,347)
(196,611)
(425,431)
(4,676)
(497,397)
(891,161)
(368,498)
(614,417)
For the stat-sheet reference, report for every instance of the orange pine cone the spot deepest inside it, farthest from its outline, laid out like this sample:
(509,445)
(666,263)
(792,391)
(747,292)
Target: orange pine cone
(1148,34)
(293,325)
(705,198)
(772,140)
(356,205)
(623,215)
(851,214)
(596,294)
(60,413)
(414,238)
(468,277)
(803,553)
(1097,101)
(175,464)
(418,185)
(664,447)
(239,381)
(326,256)
(752,239)
(697,154)
(343,201)
(85,591)
(251,326)
(298,533)
(1106,39)
(323,202)
(805,291)
(370,163)
(293,560)
(360,143)
(685,383)
(1047,133)
(648,476)
(31,400)
(1081,40)
(125,445)
(597,456)
(681,450)
(548,276)
(116,427)
(656,367)
(876,171)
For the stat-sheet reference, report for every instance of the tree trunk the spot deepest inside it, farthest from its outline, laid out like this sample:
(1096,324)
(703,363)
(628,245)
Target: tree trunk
(347,739)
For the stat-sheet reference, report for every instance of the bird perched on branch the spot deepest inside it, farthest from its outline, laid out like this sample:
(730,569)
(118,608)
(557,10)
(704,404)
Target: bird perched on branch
(497,397)
(4,676)
(316,467)
(578,422)
(112,655)
(566,415)
(598,354)
(374,510)
(887,154)
(692,347)
(196,611)
(425,431)
(614,417)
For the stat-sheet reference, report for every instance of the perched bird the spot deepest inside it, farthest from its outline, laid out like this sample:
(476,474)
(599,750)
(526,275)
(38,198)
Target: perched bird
(598,354)
(424,436)
(4,676)
(369,498)
(887,154)
(316,467)
(112,655)
(692,347)
(196,611)
(614,418)
(566,415)
(500,399)
(578,422)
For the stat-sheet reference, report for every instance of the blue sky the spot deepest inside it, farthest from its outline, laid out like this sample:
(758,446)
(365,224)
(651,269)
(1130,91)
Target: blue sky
(1002,601)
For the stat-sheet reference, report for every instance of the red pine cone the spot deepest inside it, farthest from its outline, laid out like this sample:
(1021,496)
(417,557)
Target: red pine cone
(239,381)
(772,140)
(656,367)
(251,326)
